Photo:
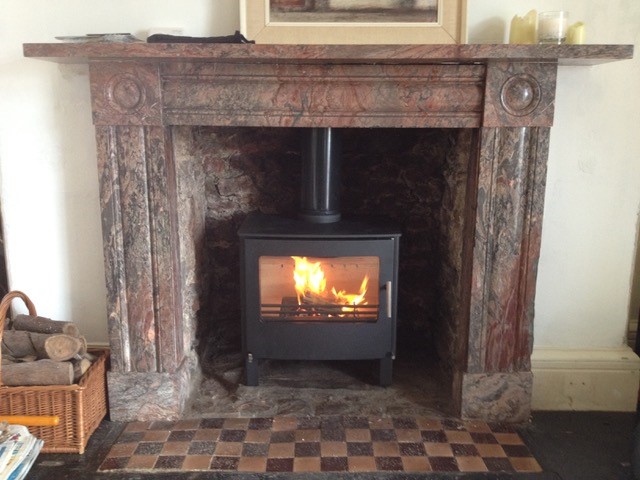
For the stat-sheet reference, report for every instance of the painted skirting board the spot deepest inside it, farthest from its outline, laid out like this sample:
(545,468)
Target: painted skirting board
(585,379)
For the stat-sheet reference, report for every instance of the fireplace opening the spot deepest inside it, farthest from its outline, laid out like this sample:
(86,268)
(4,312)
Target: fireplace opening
(417,177)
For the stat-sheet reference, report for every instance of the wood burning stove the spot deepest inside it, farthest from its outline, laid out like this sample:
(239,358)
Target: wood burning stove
(319,287)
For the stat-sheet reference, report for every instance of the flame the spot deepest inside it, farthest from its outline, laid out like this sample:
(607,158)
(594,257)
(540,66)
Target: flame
(309,279)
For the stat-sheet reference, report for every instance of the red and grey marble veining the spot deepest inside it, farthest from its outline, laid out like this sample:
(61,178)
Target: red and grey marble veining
(153,188)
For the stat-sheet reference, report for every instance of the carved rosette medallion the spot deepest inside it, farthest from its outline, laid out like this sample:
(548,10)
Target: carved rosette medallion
(125,93)
(520,95)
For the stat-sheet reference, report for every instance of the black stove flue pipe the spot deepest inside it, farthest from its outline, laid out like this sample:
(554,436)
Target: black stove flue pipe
(320,196)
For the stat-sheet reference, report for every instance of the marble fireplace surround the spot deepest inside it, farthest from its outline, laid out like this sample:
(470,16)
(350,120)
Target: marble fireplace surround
(151,199)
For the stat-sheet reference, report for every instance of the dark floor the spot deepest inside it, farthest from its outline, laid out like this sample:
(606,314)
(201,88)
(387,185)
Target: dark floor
(567,445)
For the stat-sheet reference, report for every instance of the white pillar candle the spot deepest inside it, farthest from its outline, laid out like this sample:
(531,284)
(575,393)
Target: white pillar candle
(552,27)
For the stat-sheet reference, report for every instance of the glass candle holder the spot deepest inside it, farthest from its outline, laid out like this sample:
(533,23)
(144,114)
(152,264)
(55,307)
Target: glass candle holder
(552,27)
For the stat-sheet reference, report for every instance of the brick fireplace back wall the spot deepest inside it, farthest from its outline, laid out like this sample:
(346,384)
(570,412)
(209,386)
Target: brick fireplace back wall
(417,177)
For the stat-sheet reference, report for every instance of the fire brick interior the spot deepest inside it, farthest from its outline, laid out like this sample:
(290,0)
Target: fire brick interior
(417,177)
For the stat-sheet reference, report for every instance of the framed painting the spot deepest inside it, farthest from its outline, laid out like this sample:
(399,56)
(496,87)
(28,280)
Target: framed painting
(354,21)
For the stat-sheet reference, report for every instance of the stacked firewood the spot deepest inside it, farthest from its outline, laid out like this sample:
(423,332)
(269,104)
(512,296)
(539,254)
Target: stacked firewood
(41,351)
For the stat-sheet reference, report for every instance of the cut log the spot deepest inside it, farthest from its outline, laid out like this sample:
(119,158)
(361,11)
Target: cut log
(80,367)
(59,347)
(41,372)
(33,323)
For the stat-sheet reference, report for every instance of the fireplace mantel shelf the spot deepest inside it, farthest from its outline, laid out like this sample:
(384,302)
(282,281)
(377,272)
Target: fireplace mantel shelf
(336,54)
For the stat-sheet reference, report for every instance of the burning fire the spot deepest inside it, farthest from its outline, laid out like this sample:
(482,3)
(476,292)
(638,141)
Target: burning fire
(311,287)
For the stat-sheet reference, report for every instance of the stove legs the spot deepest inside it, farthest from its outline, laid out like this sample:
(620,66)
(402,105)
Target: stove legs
(386,369)
(251,371)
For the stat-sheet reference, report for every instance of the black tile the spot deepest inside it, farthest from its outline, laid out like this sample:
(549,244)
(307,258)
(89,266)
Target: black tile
(286,436)
(307,449)
(255,449)
(383,435)
(202,448)
(389,463)
(224,463)
(334,464)
(211,423)
(233,435)
(169,462)
(181,436)
(498,464)
(481,437)
(355,422)
(308,423)
(279,464)
(443,464)
(516,450)
(148,448)
(405,423)
(359,449)
(409,449)
(464,450)
(434,436)
(260,423)
(502,428)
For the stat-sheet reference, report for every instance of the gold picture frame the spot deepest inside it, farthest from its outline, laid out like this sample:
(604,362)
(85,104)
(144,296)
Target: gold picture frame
(450,28)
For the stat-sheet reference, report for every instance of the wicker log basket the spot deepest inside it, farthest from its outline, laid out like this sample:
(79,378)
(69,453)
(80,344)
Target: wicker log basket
(80,407)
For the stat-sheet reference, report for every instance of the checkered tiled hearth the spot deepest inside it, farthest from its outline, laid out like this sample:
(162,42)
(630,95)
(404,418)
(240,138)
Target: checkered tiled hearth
(320,444)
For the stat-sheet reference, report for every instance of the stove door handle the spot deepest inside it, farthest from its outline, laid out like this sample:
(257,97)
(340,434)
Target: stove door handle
(389,296)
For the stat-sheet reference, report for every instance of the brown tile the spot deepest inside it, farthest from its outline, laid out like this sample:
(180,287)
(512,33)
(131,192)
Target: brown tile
(306,464)
(252,464)
(130,437)
(429,424)
(406,435)
(284,423)
(228,449)
(156,435)
(175,448)
(235,424)
(162,425)
(389,463)
(169,462)
(224,463)
(438,449)
(528,464)
(139,462)
(508,438)
(122,449)
(416,464)
(362,464)
(281,450)
(357,435)
(334,464)
(464,450)
(279,465)
(137,426)
(308,435)
(477,426)
(197,462)
(386,449)
(458,437)
(490,450)
(258,436)
(207,434)
(114,463)
(187,424)
(471,464)
(333,449)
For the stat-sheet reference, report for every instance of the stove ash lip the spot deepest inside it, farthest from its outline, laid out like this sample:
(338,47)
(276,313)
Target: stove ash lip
(320,179)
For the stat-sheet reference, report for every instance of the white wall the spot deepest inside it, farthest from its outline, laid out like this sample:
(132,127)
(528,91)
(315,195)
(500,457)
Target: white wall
(49,179)
(49,182)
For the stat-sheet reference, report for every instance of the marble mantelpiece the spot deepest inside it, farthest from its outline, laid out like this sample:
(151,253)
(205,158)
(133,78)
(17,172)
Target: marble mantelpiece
(151,198)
